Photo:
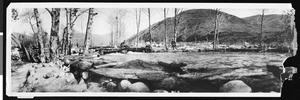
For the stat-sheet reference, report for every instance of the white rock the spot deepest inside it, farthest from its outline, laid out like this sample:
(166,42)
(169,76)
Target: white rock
(85,75)
(160,91)
(138,87)
(66,61)
(124,85)
(235,86)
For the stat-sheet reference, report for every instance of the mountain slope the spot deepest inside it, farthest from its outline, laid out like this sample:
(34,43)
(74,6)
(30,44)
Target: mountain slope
(271,23)
(198,25)
(275,29)
(96,39)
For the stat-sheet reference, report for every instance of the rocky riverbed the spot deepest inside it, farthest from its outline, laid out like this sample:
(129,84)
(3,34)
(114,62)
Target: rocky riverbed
(153,72)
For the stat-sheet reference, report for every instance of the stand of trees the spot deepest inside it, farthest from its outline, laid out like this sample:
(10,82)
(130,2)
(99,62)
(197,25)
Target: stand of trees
(41,49)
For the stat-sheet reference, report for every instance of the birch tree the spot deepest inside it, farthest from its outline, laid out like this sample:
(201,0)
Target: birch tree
(177,19)
(138,21)
(72,15)
(87,40)
(116,19)
(165,21)
(216,29)
(39,33)
(55,14)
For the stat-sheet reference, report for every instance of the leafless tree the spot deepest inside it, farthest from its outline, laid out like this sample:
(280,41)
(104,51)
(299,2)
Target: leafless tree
(216,29)
(116,19)
(72,15)
(138,21)
(165,21)
(263,11)
(28,17)
(177,19)
(55,14)
(87,40)
(39,37)
(149,17)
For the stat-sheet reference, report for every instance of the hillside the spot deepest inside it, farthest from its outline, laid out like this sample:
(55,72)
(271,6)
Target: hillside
(96,39)
(198,25)
(273,27)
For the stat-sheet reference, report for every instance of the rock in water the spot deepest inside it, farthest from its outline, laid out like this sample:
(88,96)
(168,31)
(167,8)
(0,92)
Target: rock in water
(110,86)
(138,87)
(81,65)
(78,67)
(235,86)
(85,75)
(124,85)
(66,62)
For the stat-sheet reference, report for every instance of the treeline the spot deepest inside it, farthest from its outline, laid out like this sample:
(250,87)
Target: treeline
(42,49)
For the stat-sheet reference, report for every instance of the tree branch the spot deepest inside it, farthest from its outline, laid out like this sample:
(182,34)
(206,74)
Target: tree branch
(79,15)
(32,27)
(50,12)
(16,41)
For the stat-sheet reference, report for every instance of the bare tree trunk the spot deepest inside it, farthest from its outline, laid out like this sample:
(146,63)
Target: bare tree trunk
(87,39)
(23,49)
(138,20)
(117,33)
(175,22)
(70,30)
(149,16)
(40,41)
(55,13)
(216,30)
(112,36)
(165,17)
(66,33)
(261,28)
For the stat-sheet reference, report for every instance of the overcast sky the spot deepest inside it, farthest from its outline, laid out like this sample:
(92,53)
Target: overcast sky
(101,25)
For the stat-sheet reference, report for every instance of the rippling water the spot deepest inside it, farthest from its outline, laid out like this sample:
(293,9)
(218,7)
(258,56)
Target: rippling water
(197,57)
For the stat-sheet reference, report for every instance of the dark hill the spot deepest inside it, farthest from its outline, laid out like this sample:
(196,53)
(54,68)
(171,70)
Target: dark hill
(198,25)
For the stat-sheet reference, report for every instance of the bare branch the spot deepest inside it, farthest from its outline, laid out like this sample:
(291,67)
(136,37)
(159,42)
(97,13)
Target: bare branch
(50,12)
(82,12)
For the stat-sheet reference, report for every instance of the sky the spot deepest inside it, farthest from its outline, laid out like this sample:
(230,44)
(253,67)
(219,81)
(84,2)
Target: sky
(101,20)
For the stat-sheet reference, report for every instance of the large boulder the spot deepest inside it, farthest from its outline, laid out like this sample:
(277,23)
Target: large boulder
(139,87)
(110,86)
(85,75)
(124,85)
(173,83)
(235,86)
(78,67)
(66,61)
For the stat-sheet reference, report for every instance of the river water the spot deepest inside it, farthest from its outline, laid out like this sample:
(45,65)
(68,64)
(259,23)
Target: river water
(199,57)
